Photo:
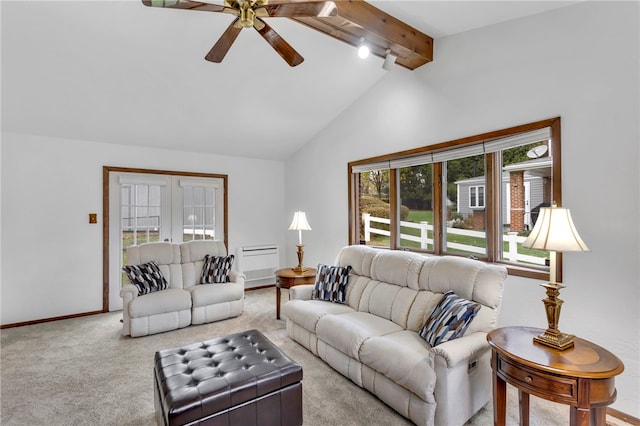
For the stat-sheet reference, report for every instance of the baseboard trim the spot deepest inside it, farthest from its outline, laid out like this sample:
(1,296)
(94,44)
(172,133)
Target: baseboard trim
(40,321)
(259,287)
(623,416)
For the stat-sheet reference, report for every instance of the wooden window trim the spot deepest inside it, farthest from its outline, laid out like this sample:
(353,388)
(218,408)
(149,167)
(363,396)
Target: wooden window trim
(492,187)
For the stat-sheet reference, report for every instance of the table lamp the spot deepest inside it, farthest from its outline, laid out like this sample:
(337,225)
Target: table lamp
(300,224)
(554,231)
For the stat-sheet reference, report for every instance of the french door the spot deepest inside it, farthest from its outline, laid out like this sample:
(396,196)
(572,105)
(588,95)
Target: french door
(147,207)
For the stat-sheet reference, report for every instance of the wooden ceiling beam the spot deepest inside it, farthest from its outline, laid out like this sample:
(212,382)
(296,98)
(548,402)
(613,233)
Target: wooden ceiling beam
(357,19)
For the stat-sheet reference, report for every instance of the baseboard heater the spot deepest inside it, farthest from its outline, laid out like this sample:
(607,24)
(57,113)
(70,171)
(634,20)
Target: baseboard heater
(258,262)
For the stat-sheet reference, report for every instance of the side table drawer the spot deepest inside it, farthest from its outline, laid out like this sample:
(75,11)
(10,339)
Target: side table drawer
(545,385)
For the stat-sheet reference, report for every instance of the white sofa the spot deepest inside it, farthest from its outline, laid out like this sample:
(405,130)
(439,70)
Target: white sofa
(373,338)
(185,301)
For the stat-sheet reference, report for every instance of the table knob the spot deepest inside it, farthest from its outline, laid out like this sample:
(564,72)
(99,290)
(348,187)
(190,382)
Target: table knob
(528,379)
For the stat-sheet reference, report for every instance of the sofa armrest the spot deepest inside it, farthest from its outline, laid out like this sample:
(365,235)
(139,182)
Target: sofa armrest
(237,277)
(301,292)
(461,349)
(128,293)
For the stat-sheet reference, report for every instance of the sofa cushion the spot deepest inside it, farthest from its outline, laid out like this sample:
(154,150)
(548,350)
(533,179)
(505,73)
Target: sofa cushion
(160,302)
(204,295)
(331,283)
(404,358)
(347,332)
(358,257)
(450,319)
(146,277)
(216,269)
(397,267)
(306,313)
(195,250)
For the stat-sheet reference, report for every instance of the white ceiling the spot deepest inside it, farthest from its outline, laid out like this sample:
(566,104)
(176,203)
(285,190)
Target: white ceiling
(120,72)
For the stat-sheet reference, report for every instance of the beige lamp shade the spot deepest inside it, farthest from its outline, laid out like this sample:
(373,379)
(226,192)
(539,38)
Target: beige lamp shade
(299,222)
(554,231)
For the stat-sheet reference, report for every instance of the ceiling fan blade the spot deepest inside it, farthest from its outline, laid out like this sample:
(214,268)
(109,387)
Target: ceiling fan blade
(190,5)
(222,46)
(279,44)
(318,9)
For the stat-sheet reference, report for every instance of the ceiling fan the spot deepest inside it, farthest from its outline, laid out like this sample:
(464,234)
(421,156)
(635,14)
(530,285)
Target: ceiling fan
(249,13)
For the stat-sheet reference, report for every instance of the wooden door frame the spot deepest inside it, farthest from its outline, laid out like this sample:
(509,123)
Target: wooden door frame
(106,170)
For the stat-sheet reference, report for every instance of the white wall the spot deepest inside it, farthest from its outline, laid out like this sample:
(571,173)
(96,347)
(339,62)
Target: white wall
(580,63)
(52,256)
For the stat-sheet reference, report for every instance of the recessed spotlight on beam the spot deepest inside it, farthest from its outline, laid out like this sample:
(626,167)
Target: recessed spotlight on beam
(363,50)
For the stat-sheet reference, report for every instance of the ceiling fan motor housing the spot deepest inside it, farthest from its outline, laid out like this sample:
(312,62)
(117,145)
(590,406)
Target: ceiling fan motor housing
(247,15)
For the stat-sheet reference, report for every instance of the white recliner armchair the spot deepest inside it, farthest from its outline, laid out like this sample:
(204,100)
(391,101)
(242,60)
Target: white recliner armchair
(185,301)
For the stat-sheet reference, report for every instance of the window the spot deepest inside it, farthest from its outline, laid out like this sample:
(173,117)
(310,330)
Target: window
(416,206)
(465,222)
(140,205)
(199,209)
(477,197)
(373,205)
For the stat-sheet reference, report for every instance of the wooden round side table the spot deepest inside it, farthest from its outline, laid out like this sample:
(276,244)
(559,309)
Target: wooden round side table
(288,277)
(582,377)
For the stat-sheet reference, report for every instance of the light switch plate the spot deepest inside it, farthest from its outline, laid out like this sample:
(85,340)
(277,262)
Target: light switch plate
(93,217)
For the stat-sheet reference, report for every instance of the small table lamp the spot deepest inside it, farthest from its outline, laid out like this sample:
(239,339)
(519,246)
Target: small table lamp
(300,224)
(554,231)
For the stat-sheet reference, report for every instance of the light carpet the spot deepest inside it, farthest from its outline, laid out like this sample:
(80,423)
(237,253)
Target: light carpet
(81,371)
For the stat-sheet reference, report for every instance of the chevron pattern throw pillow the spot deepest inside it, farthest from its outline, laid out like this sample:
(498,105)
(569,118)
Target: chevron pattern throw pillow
(449,320)
(216,269)
(331,283)
(147,277)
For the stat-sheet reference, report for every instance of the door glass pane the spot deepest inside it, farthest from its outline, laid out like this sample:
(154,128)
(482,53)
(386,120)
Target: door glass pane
(465,231)
(416,208)
(374,208)
(140,215)
(198,213)
(526,187)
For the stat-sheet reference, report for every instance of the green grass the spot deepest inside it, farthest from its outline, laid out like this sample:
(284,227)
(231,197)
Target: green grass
(420,215)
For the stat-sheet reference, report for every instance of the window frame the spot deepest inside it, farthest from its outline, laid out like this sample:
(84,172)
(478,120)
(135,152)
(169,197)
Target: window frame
(492,193)
(476,197)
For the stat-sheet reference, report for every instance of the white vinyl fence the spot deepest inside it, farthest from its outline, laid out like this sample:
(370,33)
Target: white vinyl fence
(426,243)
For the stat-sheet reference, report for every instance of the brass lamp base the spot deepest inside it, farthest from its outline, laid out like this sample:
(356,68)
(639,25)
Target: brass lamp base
(300,268)
(553,337)
(560,342)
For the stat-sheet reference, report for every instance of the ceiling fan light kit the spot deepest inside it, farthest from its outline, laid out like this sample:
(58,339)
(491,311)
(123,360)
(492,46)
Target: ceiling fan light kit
(348,21)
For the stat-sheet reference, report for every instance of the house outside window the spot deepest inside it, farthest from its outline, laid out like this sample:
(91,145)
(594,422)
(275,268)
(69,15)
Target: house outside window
(476,197)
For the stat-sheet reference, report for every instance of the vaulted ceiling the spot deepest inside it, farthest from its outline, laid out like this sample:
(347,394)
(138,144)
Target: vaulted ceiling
(120,72)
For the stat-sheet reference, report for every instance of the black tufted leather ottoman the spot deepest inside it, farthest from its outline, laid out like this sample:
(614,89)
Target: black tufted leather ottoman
(240,379)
